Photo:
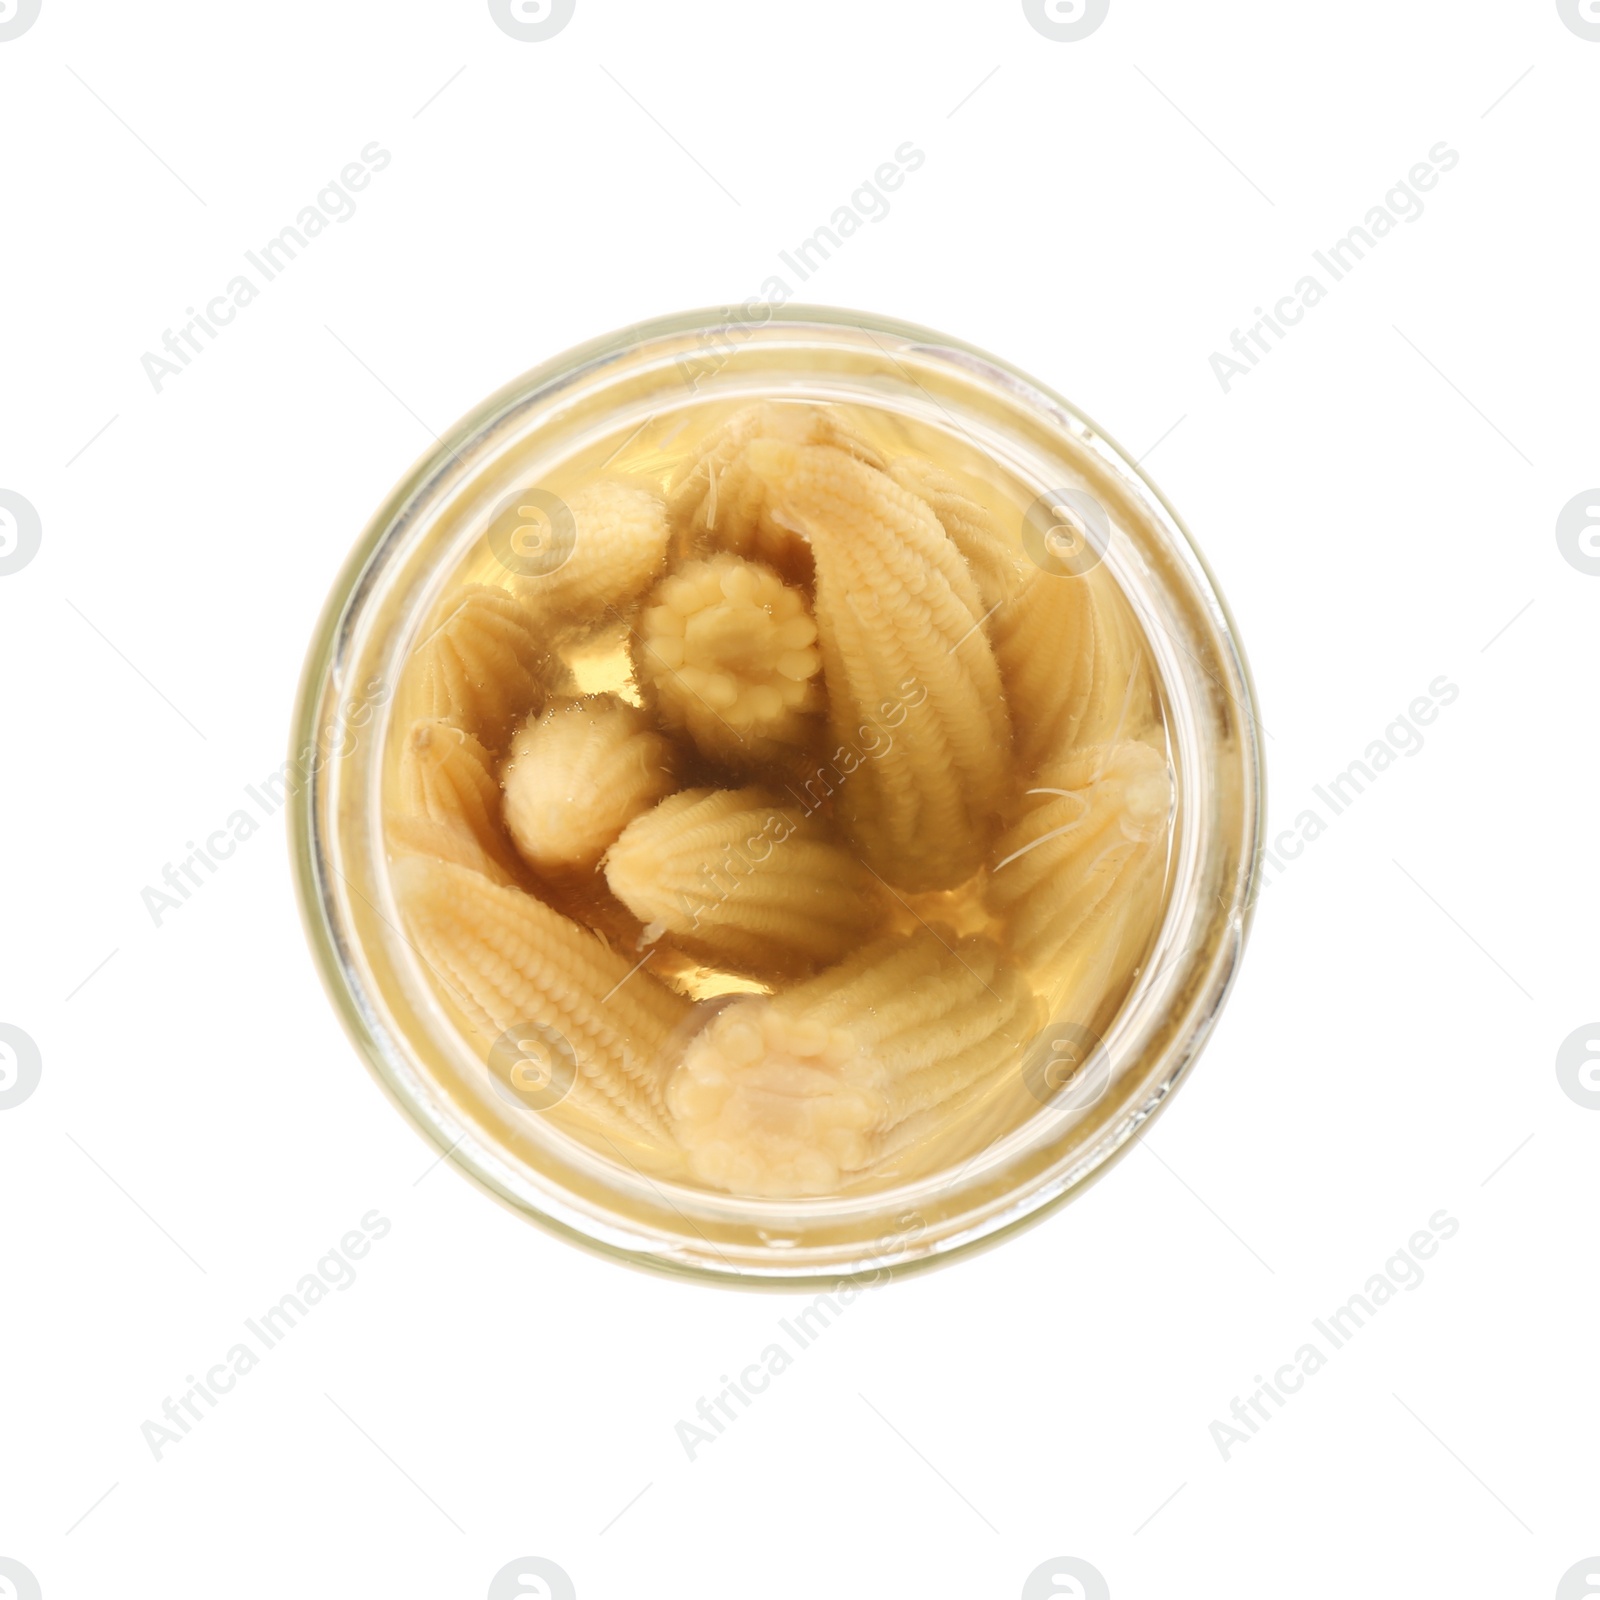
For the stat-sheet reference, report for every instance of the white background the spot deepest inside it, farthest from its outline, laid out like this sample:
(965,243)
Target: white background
(1378,499)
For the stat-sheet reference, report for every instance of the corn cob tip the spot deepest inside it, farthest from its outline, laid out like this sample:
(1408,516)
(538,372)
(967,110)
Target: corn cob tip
(614,542)
(578,773)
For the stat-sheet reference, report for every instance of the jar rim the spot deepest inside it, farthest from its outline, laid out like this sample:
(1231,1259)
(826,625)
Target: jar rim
(1199,975)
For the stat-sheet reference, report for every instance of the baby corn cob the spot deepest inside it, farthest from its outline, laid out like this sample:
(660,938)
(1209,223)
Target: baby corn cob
(727,653)
(440,841)
(998,567)
(577,775)
(507,961)
(1075,668)
(795,1095)
(482,667)
(1092,845)
(908,668)
(619,540)
(755,884)
(447,778)
(724,499)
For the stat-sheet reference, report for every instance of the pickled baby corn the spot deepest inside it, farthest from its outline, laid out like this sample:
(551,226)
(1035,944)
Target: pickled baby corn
(941,823)
(578,773)
(756,884)
(1090,844)
(904,653)
(1074,668)
(724,498)
(507,962)
(1067,660)
(483,666)
(1076,671)
(727,653)
(616,544)
(447,779)
(998,566)
(440,841)
(794,1095)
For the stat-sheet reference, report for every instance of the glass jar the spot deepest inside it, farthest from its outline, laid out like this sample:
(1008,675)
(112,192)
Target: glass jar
(402,564)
